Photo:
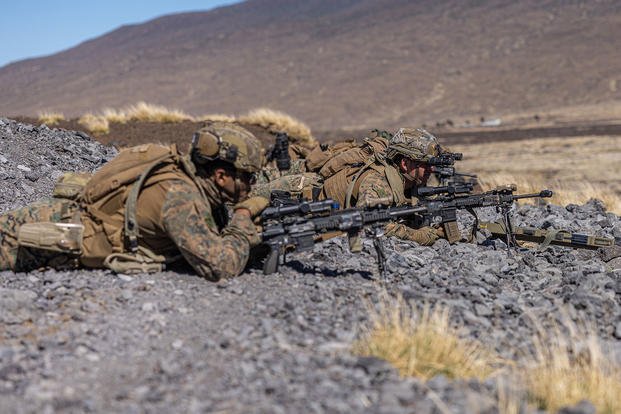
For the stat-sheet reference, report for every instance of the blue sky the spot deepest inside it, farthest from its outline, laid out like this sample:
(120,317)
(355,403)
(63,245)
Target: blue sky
(32,28)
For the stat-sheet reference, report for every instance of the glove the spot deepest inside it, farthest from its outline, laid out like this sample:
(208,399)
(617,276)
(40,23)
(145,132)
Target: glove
(440,232)
(255,205)
(424,236)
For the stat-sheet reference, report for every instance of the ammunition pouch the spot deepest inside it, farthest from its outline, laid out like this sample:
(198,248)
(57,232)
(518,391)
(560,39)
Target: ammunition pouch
(451,232)
(70,185)
(141,261)
(56,237)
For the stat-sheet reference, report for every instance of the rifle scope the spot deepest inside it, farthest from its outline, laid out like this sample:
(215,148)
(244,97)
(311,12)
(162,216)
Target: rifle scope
(446,159)
(304,207)
(448,189)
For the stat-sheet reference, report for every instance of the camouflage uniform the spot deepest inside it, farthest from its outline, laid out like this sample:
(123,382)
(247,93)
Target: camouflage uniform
(296,180)
(380,181)
(175,214)
(339,165)
(20,259)
(375,186)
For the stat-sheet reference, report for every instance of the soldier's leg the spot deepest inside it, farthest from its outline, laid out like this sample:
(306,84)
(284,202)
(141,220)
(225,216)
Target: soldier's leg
(19,258)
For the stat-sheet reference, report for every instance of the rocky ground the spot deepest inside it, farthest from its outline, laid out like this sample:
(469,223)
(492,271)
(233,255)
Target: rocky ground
(92,341)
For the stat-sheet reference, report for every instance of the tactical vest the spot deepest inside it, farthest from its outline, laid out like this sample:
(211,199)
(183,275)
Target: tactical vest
(109,202)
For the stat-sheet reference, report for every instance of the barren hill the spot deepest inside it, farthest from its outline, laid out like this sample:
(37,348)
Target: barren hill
(340,63)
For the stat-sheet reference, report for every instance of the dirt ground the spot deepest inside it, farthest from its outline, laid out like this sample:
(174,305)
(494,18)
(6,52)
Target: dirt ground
(135,132)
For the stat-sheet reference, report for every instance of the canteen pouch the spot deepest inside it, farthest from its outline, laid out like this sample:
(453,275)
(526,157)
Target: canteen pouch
(56,237)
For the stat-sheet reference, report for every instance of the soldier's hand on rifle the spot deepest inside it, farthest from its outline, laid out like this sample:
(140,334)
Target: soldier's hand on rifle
(440,232)
(252,206)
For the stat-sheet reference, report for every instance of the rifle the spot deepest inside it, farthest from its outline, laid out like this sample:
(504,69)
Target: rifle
(544,237)
(280,152)
(300,225)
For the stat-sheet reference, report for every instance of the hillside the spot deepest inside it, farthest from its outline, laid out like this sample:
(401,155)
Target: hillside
(340,64)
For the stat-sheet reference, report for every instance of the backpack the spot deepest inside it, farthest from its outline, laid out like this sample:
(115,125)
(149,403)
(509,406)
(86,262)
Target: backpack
(117,184)
(346,164)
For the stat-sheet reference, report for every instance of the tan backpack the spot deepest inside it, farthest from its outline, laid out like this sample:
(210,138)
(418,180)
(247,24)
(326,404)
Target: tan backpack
(110,198)
(341,172)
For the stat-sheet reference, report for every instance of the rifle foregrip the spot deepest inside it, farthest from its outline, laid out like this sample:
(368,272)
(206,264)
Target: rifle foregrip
(271,261)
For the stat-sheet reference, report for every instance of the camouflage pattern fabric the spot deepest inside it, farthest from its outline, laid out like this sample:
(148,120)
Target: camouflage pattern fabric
(296,184)
(22,259)
(189,223)
(270,172)
(173,215)
(375,186)
(414,143)
(229,142)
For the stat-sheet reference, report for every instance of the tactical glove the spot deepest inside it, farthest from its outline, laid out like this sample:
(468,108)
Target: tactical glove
(440,232)
(255,205)
(424,236)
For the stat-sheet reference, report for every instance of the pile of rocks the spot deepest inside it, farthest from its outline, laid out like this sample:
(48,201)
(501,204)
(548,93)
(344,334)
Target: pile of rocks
(173,342)
(32,158)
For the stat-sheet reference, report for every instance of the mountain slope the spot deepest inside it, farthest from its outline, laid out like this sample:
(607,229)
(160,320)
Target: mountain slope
(340,63)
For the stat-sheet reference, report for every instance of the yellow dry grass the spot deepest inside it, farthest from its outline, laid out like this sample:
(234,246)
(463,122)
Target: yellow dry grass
(576,169)
(423,344)
(115,116)
(276,121)
(96,124)
(50,118)
(566,368)
(147,112)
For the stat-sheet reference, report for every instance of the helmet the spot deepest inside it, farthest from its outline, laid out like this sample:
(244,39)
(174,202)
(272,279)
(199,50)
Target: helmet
(416,144)
(227,142)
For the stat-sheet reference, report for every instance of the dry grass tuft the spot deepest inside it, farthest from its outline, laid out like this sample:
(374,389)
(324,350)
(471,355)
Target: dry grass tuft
(50,118)
(423,344)
(96,124)
(276,121)
(568,368)
(114,116)
(217,118)
(576,169)
(146,112)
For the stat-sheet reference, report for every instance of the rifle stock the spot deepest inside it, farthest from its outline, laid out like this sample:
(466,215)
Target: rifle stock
(546,237)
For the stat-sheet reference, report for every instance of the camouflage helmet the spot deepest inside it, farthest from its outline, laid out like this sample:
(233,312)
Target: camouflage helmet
(413,143)
(227,142)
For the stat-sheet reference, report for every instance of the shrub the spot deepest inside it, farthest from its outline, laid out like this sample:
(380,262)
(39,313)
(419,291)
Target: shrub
(276,121)
(96,124)
(568,367)
(422,343)
(50,118)
(143,111)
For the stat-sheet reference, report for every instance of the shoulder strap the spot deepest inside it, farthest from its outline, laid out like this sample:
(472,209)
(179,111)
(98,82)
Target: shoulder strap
(352,183)
(131,227)
(396,184)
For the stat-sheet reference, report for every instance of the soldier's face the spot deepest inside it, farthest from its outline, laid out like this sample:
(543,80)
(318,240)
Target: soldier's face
(416,173)
(236,185)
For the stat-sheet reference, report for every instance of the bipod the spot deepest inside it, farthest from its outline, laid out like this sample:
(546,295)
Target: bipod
(510,237)
(377,233)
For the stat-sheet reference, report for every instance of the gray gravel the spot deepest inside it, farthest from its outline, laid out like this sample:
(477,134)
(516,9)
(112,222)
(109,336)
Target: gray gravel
(87,341)
(33,157)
